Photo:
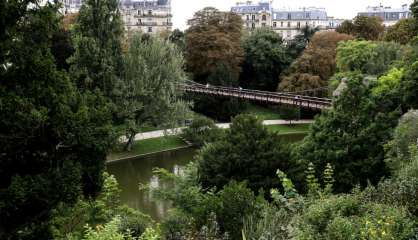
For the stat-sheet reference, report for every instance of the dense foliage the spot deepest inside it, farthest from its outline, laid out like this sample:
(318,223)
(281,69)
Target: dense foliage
(214,56)
(54,139)
(265,59)
(148,94)
(248,152)
(363,27)
(315,66)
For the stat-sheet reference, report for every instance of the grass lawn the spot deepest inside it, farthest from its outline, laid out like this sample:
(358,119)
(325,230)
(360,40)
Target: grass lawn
(148,146)
(264,113)
(285,129)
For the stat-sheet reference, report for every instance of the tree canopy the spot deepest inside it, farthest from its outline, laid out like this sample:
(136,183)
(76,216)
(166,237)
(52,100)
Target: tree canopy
(54,139)
(265,59)
(363,27)
(315,66)
(248,152)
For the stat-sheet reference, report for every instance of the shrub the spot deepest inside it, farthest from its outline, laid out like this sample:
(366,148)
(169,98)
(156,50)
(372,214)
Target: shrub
(347,217)
(202,130)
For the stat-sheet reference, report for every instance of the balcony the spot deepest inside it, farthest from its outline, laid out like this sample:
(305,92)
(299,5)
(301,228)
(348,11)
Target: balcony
(146,24)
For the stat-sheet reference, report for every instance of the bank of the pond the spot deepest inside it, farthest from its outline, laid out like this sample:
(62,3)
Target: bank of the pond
(139,170)
(148,146)
(169,143)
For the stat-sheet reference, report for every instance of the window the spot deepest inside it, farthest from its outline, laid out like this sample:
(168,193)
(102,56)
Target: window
(149,12)
(263,24)
(149,29)
(298,25)
(253,17)
(264,18)
(289,16)
(281,24)
(248,17)
(274,24)
(253,25)
(288,24)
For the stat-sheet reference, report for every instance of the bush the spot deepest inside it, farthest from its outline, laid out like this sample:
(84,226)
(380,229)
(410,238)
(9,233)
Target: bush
(347,217)
(248,152)
(202,130)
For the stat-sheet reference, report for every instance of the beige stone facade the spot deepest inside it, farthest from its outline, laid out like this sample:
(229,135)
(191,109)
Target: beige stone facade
(147,16)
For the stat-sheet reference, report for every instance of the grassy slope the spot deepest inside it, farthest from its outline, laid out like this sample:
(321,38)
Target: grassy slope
(149,146)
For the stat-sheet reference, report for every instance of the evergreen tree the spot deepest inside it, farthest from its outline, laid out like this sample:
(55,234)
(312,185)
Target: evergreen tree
(97,62)
(54,139)
(248,152)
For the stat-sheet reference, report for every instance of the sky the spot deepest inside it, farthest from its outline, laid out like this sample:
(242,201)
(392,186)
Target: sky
(347,9)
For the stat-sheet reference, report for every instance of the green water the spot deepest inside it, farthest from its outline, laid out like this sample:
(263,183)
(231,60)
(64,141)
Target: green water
(130,173)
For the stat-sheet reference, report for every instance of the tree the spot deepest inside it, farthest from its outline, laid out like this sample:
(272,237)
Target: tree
(97,62)
(54,139)
(296,46)
(405,137)
(248,152)
(402,32)
(213,38)
(265,59)
(350,136)
(346,27)
(316,65)
(149,94)
(363,27)
(178,38)
(290,113)
(372,58)
(202,131)
(214,55)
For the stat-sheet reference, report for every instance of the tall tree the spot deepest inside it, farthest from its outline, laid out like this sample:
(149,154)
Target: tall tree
(214,56)
(150,95)
(363,27)
(350,136)
(402,32)
(265,59)
(54,139)
(298,45)
(97,62)
(315,66)
(213,38)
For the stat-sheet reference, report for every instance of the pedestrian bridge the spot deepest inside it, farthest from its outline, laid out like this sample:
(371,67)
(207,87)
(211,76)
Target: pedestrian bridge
(262,96)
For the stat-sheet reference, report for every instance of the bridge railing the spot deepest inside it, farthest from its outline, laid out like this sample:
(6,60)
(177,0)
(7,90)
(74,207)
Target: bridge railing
(301,99)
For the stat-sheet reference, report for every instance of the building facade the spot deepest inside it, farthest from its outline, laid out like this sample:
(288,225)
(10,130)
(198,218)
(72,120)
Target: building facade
(254,15)
(72,6)
(288,23)
(147,16)
(390,16)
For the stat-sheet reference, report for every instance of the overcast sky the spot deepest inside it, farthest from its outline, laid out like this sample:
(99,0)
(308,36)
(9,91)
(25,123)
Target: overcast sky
(184,9)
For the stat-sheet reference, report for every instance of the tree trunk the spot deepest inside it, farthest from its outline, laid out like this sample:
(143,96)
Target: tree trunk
(131,138)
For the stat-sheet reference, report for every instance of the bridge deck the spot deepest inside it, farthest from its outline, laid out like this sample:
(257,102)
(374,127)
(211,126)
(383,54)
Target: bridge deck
(270,97)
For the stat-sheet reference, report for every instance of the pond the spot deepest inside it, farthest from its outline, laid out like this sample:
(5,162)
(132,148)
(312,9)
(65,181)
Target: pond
(130,173)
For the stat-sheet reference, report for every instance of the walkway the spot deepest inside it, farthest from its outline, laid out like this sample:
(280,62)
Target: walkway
(262,96)
(177,131)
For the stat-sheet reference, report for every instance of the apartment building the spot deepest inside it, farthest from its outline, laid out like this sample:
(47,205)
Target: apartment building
(390,16)
(148,16)
(288,23)
(254,15)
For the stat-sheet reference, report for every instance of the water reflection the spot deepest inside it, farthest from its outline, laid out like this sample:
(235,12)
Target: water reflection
(131,173)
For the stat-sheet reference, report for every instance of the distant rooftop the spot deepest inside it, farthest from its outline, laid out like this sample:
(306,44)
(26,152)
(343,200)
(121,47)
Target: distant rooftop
(250,7)
(146,3)
(381,8)
(309,13)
